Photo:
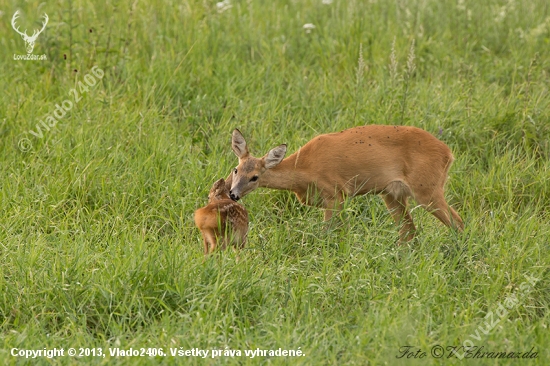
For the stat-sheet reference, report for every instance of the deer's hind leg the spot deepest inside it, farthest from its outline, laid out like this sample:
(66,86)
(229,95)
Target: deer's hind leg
(434,202)
(395,196)
(210,241)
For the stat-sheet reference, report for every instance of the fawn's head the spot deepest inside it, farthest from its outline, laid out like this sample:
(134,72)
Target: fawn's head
(218,191)
(247,175)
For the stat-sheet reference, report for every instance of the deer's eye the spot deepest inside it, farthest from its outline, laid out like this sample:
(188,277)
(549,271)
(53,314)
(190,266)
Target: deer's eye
(235,171)
(254,178)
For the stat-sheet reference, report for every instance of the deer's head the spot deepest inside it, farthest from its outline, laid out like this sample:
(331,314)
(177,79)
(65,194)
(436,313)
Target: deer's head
(247,175)
(218,191)
(29,40)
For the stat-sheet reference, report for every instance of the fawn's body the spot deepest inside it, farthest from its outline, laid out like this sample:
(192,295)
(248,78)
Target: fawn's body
(396,162)
(221,220)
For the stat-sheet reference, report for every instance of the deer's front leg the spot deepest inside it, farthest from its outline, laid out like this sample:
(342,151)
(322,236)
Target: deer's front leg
(332,205)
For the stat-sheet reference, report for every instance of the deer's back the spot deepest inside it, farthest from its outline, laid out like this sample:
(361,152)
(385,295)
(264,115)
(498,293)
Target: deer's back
(367,158)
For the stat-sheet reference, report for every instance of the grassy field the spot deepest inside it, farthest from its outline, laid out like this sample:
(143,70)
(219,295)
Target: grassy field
(98,247)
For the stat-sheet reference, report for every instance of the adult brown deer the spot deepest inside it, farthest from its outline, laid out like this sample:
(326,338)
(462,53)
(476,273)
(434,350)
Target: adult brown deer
(396,162)
(222,219)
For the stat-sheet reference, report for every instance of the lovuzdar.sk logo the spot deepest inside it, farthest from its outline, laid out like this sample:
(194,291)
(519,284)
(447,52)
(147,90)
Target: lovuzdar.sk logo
(29,40)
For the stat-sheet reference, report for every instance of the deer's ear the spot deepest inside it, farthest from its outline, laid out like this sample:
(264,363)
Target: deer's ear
(238,144)
(274,156)
(219,183)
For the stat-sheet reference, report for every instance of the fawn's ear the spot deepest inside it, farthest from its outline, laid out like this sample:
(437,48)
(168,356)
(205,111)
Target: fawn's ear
(238,144)
(274,156)
(219,183)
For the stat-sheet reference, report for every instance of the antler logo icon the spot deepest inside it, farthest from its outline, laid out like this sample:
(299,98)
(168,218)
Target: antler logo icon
(29,41)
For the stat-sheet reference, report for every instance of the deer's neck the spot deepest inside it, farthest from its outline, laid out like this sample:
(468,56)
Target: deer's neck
(287,176)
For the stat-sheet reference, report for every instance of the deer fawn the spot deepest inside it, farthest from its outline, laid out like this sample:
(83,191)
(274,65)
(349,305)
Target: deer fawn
(396,162)
(222,219)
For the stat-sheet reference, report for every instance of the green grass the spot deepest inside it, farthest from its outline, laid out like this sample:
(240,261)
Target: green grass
(97,242)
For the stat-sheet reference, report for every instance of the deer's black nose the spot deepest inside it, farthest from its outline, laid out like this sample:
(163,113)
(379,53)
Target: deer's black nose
(233,197)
